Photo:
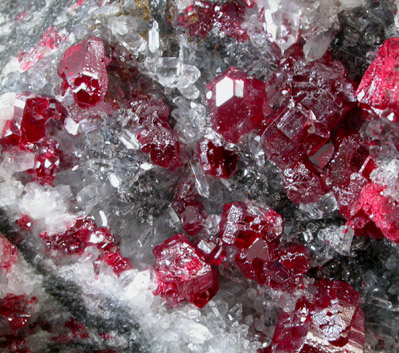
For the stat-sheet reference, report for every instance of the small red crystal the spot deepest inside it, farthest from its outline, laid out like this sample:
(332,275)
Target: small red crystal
(190,210)
(379,89)
(217,160)
(183,274)
(84,70)
(14,309)
(159,141)
(203,17)
(330,321)
(244,222)
(238,104)
(9,254)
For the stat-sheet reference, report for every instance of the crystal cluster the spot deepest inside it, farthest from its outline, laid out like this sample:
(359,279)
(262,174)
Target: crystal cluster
(199,176)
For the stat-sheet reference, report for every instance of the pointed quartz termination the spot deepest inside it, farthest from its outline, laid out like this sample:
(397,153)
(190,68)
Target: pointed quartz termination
(238,104)
(83,69)
(379,89)
(331,321)
(183,273)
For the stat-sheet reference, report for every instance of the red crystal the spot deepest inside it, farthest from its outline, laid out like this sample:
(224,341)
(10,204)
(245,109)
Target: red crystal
(238,104)
(190,210)
(217,160)
(315,98)
(9,254)
(375,214)
(302,182)
(183,274)
(379,89)
(159,141)
(84,233)
(28,126)
(244,222)
(84,70)
(14,309)
(203,17)
(331,321)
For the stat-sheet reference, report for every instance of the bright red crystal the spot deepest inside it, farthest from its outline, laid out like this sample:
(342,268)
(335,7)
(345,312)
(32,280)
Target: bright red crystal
(237,104)
(84,233)
(28,126)
(244,222)
(216,159)
(190,210)
(159,141)
(84,70)
(375,214)
(379,88)
(14,310)
(183,274)
(331,321)
(203,17)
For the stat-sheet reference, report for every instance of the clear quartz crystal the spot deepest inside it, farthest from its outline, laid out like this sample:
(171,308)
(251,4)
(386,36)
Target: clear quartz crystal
(339,238)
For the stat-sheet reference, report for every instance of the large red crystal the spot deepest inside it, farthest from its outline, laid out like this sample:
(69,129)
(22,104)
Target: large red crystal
(331,321)
(28,125)
(183,274)
(375,214)
(202,18)
(238,104)
(216,159)
(379,87)
(84,70)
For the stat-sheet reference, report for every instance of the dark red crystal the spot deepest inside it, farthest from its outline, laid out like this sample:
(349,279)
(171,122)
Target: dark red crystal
(379,90)
(330,321)
(183,274)
(14,310)
(202,18)
(238,104)
(84,70)
(216,159)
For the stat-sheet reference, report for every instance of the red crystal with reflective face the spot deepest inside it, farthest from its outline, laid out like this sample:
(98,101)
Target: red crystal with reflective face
(216,159)
(331,321)
(379,88)
(238,104)
(375,214)
(183,274)
(244,222)
(190,210)
(28,126)
(84,70)
(202,17)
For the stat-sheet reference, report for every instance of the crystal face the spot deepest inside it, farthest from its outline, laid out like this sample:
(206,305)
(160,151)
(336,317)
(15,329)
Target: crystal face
(378,89)
(84,70)
(237,104)
(331,321)
(183,274)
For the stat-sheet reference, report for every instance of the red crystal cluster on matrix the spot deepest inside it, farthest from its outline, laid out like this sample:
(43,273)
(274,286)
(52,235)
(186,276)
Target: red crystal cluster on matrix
(308,116)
